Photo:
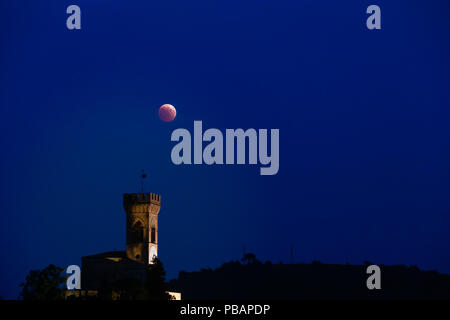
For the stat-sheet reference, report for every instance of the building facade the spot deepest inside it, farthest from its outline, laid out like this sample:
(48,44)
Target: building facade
(98,270)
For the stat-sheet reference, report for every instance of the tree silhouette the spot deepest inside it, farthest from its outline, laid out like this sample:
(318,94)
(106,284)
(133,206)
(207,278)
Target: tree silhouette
(156,281)
(249,258)
(46,284)
(123,289)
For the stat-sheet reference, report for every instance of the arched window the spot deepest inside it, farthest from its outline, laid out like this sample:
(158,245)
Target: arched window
(153,235)
(137,232)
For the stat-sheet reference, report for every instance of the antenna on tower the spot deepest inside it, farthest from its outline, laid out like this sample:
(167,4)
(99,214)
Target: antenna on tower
(143,176)
(292,254)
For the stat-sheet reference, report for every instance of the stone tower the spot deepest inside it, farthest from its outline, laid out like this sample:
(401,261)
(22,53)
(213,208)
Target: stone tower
(142,225)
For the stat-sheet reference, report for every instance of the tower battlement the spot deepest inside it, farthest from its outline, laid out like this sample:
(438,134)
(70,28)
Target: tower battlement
(139,198)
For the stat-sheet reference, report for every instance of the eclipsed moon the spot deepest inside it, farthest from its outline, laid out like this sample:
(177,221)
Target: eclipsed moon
(167,112)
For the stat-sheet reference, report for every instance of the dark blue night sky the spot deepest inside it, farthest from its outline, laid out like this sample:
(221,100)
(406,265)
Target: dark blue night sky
(363,118)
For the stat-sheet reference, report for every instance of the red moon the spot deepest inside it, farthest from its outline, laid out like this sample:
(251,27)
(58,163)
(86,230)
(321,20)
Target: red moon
(167,112)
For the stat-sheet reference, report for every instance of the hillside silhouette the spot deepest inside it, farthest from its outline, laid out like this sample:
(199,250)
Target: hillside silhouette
(251,279)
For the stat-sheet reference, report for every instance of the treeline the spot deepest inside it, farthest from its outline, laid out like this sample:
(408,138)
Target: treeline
(251,279)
